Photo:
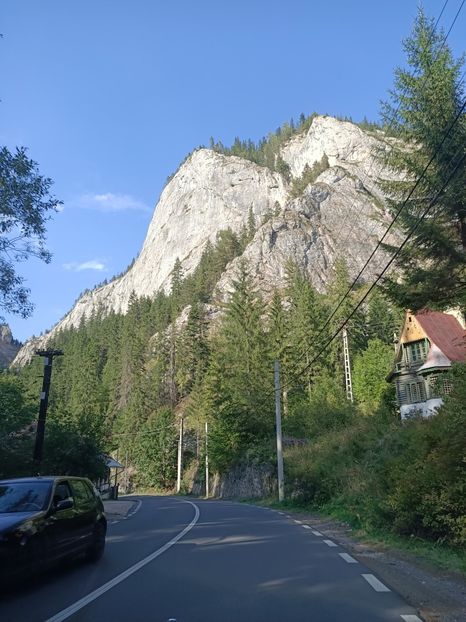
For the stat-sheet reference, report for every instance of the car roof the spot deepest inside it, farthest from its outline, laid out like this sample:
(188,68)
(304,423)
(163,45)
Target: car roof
(39,478)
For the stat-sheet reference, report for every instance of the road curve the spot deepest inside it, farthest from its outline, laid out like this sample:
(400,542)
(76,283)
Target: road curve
(210,561)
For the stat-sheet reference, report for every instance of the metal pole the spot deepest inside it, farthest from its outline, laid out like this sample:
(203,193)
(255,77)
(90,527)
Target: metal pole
(278,421)
(348,383)
(206,461)
(180,457)
(44,400)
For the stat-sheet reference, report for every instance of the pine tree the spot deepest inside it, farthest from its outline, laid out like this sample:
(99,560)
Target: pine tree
(425,100)
(240,377)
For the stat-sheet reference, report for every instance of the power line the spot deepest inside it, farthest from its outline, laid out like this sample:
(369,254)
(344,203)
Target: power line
(363,299)
(390,125)
(403,205)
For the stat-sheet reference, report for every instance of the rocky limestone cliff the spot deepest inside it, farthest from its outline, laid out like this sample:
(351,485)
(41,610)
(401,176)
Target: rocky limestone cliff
(341,214)
(9,347)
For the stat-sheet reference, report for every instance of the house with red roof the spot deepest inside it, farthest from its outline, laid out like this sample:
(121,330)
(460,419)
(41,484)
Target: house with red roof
(430,342)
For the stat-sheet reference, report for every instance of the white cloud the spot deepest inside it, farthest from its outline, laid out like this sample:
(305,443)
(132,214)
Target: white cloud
(110,202)
(93,264)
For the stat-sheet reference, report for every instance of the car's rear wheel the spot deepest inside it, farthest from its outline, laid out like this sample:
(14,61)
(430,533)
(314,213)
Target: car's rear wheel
(96,550)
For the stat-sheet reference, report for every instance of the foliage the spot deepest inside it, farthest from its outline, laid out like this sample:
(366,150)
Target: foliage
(25,206)
(308,176)
(155,454)
(405,477)
(426,99)
(240,377)
(267,151)
(16,410)
(371,368)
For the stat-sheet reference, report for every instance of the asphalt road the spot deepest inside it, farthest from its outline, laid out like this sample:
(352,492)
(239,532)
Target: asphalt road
(209,561)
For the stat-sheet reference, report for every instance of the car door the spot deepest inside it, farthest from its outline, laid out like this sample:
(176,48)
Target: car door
(85,508)
(61,527)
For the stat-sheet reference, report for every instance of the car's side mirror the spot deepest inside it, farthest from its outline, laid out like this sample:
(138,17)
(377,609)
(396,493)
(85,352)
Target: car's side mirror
(64,504)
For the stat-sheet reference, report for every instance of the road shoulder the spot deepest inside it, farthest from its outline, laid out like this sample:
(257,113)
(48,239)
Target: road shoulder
(118,509)
(439,596)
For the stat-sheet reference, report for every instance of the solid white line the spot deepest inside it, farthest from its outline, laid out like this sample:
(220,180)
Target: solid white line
(133,512)
(375,583)
(330,543)
(306,526)
(317,533)
(348,558)
(411,618)
(72,609)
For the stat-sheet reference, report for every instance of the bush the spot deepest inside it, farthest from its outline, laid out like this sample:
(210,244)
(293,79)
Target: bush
(407,477)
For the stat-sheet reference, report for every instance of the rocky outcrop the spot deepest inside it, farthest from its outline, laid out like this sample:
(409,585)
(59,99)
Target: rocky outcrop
(335,217)
(9,347)
(341,214)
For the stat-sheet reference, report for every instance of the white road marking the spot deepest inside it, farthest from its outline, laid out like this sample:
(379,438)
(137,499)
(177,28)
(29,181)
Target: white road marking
(133,512)
(411,618)
(282,513)
(306,526)
(330,543)
(317,533)
(299,522)
(375,583)
(72,609)
(348,558)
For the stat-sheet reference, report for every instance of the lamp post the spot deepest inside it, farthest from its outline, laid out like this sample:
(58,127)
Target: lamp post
(44,400)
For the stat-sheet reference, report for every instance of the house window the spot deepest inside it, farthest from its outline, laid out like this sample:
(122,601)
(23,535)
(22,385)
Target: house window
(417,351)
(447,386)
(433,385)
(415,392)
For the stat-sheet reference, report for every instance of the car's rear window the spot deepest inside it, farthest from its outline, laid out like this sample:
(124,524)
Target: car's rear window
(23,496)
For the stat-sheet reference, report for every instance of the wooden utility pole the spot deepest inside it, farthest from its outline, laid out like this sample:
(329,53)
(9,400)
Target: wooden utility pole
(44,400)
(278,422)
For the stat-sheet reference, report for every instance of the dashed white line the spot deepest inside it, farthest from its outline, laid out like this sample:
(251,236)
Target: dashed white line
(317,533)
(411,618)
(348,558)
(377,585)
(306,526)
(79,604)
(299,522)
(330,543)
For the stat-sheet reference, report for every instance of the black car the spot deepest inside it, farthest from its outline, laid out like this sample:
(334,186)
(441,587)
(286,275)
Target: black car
(44,520)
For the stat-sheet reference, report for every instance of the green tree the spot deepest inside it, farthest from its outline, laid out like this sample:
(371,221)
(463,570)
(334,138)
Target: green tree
(25,206)
(155,451)
(16,410)
(240,377)
(370,370)
(424,102)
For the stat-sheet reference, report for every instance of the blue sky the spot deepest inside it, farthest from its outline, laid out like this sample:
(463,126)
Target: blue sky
(109,96)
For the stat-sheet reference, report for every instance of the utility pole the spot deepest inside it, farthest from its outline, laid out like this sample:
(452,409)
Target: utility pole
(278,422)
(206,461)
(44,400)
(348,383)
(180,457)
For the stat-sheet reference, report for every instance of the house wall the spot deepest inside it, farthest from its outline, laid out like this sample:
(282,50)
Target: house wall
(412,330)
(426,409)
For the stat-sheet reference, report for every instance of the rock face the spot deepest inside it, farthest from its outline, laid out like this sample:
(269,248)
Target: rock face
(9,347)
(341,214)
